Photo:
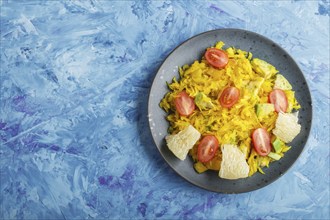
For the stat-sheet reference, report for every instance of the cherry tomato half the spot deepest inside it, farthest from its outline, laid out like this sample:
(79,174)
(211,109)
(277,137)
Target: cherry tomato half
(229,96)
(184,104)
(216,58)
(207,148)
(278,98)
(261,141)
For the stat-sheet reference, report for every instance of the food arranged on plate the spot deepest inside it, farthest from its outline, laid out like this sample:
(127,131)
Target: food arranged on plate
(231,113)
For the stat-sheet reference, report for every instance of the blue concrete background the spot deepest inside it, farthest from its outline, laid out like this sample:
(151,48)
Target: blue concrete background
(75,77)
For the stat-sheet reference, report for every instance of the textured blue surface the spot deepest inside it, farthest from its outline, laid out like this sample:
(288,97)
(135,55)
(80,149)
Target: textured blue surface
(75,77)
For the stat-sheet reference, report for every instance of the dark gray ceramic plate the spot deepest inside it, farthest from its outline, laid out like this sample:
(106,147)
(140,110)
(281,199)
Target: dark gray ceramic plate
(193,49)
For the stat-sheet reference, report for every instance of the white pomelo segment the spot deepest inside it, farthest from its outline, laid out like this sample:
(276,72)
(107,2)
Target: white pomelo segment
(182,142)
(233,164)
(287,127)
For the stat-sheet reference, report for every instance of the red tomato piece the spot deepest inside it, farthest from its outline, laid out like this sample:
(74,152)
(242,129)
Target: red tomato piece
(216,58)
(184,104)
(207,148)
(279,99)
(229,96)
(261,141)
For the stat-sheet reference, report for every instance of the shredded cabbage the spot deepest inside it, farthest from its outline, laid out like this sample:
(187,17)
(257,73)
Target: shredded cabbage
(253,77)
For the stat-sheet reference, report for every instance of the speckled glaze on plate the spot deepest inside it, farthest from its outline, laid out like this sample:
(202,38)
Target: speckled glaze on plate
(193,49)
